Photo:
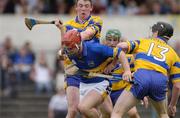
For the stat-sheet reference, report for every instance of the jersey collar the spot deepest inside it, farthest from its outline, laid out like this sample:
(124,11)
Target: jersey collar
(77,20)
(162,39)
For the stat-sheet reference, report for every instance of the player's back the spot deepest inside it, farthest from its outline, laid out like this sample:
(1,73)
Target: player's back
(153,54)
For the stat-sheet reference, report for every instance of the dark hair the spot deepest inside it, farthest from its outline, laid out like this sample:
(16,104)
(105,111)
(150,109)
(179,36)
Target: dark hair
(85,0)
(165,30)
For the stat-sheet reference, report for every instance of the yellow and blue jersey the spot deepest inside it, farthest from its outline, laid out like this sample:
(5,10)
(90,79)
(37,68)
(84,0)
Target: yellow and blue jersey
(94,22)
(118,71)
(94,58)
(155,54)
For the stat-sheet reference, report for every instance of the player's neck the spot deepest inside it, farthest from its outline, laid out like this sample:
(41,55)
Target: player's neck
(82,20)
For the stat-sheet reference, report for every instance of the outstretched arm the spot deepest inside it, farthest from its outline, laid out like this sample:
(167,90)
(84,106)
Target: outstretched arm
(127,72)
(60,26)
(88,33)
(174,99)
(123,46)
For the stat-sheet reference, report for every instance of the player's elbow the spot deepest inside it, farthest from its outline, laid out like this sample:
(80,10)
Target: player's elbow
(177,85)
(123,46)
(87,35)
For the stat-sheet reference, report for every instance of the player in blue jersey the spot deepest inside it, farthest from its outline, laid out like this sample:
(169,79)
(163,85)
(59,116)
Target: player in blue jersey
(153,64)
(90,28)
(92,57)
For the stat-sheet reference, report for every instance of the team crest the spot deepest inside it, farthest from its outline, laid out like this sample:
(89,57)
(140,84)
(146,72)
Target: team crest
(91,64)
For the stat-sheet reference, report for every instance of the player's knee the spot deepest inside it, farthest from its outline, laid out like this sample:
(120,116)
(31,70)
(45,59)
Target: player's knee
(82,109)
(116,115)
(106,115)
(134,115)
(73,109)
(164,116)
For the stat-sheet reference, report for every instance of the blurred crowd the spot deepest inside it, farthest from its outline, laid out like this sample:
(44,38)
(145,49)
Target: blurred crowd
(22,66)
(108,7)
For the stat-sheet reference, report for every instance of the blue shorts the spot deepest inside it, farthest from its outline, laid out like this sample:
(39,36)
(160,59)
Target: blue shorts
(149,83)
(72,81)
(114,95)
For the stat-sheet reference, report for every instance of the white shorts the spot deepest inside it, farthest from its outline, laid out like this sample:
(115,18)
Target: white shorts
(101,88)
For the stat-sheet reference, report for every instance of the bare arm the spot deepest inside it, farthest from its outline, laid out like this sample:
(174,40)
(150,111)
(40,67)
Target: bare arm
(88,33)
(123,45)
(60,26)
(174,99)
(126,67)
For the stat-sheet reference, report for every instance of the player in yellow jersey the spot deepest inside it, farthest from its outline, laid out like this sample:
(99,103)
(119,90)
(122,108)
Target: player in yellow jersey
(113,37)
(89,28)
(154,61)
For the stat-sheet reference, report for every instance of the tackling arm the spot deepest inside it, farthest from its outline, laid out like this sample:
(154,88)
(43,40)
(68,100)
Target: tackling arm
(126,67)
(60,26)
(88,33)
(123,46)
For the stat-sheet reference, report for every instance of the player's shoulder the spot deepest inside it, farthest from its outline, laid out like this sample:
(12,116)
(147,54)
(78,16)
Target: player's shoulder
(94,46)
(96,18)
(69,22)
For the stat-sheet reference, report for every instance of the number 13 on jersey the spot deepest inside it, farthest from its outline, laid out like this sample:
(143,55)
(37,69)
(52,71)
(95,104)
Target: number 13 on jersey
(163,51)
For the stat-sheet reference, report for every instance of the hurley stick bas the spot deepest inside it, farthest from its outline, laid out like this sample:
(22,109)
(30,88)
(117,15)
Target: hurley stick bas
(30,22)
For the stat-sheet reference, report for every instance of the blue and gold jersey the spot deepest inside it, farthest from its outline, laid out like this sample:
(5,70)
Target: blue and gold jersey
(92,21)
(118,71)
(155,54)
(94,58)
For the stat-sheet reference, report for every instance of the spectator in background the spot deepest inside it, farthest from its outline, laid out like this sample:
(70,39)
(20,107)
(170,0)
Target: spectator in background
(131,8)
(116,8)
(42,75)
(8,78)
(23,64)
(60,6)
(169,6)
(99,6)
(143,9)
(6,57)
(58,104)
(7,6)
(30,51)
(21,7)
(69,6)
(155,7)
(9,48)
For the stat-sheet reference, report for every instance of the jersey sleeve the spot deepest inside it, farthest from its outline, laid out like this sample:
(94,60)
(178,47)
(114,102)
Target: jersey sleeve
(133,46)
(175,70)
(131,60)
(107,51)
(68,26)
(67,62)
(96,23)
